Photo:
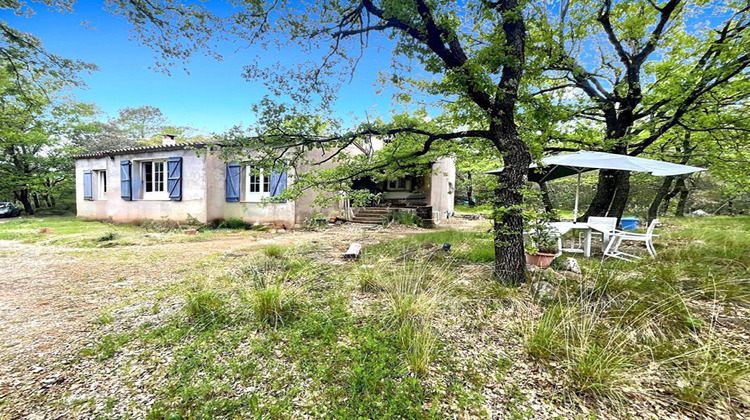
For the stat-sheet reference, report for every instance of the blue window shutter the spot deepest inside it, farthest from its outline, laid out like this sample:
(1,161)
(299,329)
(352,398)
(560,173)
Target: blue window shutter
(174,178)
(88,193)
(233,181)
(126,186)
(278,183)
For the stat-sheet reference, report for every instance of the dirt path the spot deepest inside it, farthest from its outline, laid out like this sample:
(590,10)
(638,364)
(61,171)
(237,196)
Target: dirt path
(49,296)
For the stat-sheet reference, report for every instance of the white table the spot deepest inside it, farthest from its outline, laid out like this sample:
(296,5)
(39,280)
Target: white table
(586,228)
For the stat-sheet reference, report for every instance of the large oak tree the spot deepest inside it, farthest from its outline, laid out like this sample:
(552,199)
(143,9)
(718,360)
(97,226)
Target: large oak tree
(467,58)
(618,76)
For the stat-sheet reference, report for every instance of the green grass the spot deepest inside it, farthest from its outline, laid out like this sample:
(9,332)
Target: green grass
(206,305)
(709,374)
(653,313)
(485,209)
(80,233)
(275,251)
(275,305)
(419,343)
(319,351)
(412,331)
(402,217)
(107,346)
(470,246)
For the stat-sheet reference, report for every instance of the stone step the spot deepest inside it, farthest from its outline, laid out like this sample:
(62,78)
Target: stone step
(368,219)
(379,210)
(368,214)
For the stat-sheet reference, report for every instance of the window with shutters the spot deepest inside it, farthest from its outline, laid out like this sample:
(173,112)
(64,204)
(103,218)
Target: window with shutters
(100,178)
(257,183)
(154,179)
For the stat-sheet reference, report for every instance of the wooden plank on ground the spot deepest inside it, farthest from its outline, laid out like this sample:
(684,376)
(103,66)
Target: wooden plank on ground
(353,252)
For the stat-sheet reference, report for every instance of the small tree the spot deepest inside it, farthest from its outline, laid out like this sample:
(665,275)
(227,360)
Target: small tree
(35,148)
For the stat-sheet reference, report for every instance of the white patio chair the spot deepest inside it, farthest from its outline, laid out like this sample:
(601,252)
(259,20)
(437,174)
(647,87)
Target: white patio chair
(610,222)
(618,236)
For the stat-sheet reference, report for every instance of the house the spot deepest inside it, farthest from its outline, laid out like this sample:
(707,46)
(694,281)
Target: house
(178,181)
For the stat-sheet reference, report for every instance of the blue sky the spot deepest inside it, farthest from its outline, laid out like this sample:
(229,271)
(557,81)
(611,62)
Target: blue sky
(211,98)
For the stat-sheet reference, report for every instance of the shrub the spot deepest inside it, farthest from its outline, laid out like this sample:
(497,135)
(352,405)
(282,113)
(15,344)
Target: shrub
(163,225)
(234,223)
(316,222)
(109,236)
(404,218)
(274,305)
(708,374)
(368,280)
(275,251)
(206,306)
(419,344)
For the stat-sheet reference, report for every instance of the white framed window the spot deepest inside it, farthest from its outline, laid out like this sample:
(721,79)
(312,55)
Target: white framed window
(257,183)
(399,184)
(154,179)
(100,177)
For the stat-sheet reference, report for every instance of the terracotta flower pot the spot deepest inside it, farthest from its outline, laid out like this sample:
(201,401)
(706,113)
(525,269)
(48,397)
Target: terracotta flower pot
(190,232)
(540,259)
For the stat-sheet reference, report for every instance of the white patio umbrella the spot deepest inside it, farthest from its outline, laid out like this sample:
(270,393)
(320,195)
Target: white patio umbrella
(560,166)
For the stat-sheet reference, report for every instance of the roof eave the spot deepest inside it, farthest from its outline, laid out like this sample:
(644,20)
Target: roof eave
(144,149)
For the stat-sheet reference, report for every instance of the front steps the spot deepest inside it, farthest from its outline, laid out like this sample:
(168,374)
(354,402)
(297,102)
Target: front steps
(370,215)
(374,215)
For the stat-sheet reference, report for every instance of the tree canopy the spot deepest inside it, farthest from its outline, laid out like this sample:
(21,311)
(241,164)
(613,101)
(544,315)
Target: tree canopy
(619,76)
(36,140)
(467,59)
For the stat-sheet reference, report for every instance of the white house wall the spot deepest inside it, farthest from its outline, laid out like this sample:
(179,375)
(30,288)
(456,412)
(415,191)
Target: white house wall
(306,203)
(250,212)
(443,185)
(204,192)
(116,209)
(91,209)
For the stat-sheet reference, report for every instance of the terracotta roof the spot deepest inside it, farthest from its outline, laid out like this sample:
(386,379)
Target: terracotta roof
(144,149)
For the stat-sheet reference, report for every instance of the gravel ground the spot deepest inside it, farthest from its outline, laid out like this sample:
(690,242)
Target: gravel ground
(50,296)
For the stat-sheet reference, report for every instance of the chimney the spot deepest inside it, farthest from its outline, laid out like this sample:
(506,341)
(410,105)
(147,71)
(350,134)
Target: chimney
(168,140)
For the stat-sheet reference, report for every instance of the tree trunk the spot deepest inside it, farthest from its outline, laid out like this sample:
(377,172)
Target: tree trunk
(510,259)
(52,200)
(653,210)
(680,210)
(23,196)
(469,190)
(612,191)
(620,201)
(35,196)
(670,195)
(545,197)
(47,201)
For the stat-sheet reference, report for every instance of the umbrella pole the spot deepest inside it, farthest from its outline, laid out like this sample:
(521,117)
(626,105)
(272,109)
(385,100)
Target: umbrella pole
(575,208)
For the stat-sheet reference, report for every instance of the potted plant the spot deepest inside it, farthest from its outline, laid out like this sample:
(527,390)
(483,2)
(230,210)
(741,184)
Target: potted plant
(541,246)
